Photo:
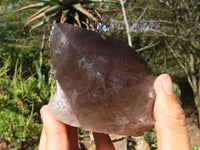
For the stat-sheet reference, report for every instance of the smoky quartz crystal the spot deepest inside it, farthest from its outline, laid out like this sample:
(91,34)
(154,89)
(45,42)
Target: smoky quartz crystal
(103,85)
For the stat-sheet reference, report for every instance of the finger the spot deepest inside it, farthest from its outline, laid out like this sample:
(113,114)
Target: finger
(42,140)
(55,131)
(170,124)
(72,138)
(165,98)
(59,136)
(103,141)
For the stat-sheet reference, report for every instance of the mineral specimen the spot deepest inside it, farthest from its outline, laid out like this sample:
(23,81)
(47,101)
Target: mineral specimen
(102,83)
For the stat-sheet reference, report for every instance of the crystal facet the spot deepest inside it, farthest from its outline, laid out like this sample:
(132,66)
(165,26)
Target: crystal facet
(102,83)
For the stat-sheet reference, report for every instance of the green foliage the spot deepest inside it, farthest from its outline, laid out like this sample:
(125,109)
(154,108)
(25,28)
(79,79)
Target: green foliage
(15,40)
(195,147)
(150,137)
(18,129)
(20,102)
(177,90)
(83,132)
(25,80)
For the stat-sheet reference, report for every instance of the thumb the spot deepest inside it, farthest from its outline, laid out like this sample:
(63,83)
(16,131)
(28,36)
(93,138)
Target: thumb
(166,104)
(170,123)
(57,135)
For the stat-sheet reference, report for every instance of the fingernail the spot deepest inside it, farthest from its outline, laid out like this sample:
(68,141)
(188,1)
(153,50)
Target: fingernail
(167,85)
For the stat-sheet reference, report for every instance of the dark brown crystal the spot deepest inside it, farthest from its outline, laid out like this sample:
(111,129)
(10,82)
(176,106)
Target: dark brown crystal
(102,83)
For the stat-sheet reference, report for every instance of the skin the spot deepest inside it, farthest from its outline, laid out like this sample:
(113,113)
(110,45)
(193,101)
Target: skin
(170,125)
(171,129)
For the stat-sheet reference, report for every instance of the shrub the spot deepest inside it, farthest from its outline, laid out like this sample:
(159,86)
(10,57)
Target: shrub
(19,130)
(150,137)
(20,102)
(195,147)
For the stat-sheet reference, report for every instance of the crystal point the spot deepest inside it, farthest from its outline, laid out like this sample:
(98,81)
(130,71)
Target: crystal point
(102,83)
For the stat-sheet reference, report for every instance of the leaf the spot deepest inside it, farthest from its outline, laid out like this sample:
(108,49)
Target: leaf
(40,24)
(42,4)
(53,9)
(4,69)
(39,11)
(47,12)
(35,18)
(84,11)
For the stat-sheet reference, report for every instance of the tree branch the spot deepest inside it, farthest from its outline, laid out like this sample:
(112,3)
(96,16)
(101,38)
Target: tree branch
(176,55)
(163,33)
(161,21)
(126,22)
(146,47)
(139,17)
(198,62)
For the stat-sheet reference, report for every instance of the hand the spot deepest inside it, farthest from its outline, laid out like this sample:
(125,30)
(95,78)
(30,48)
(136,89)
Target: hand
(171,129)
(170,125)
(59,136)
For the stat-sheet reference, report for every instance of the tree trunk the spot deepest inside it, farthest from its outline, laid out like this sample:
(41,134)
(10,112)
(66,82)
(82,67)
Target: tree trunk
(196,94)
(197,99)
(198,119)
(194,82)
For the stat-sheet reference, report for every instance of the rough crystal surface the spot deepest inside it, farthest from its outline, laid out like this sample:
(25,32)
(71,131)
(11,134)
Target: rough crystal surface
(102,83)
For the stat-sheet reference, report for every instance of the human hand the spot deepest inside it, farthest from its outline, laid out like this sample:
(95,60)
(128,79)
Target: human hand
(171,129)
(59,136)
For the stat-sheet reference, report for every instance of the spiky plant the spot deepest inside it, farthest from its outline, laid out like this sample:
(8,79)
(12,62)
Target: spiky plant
(71,11)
